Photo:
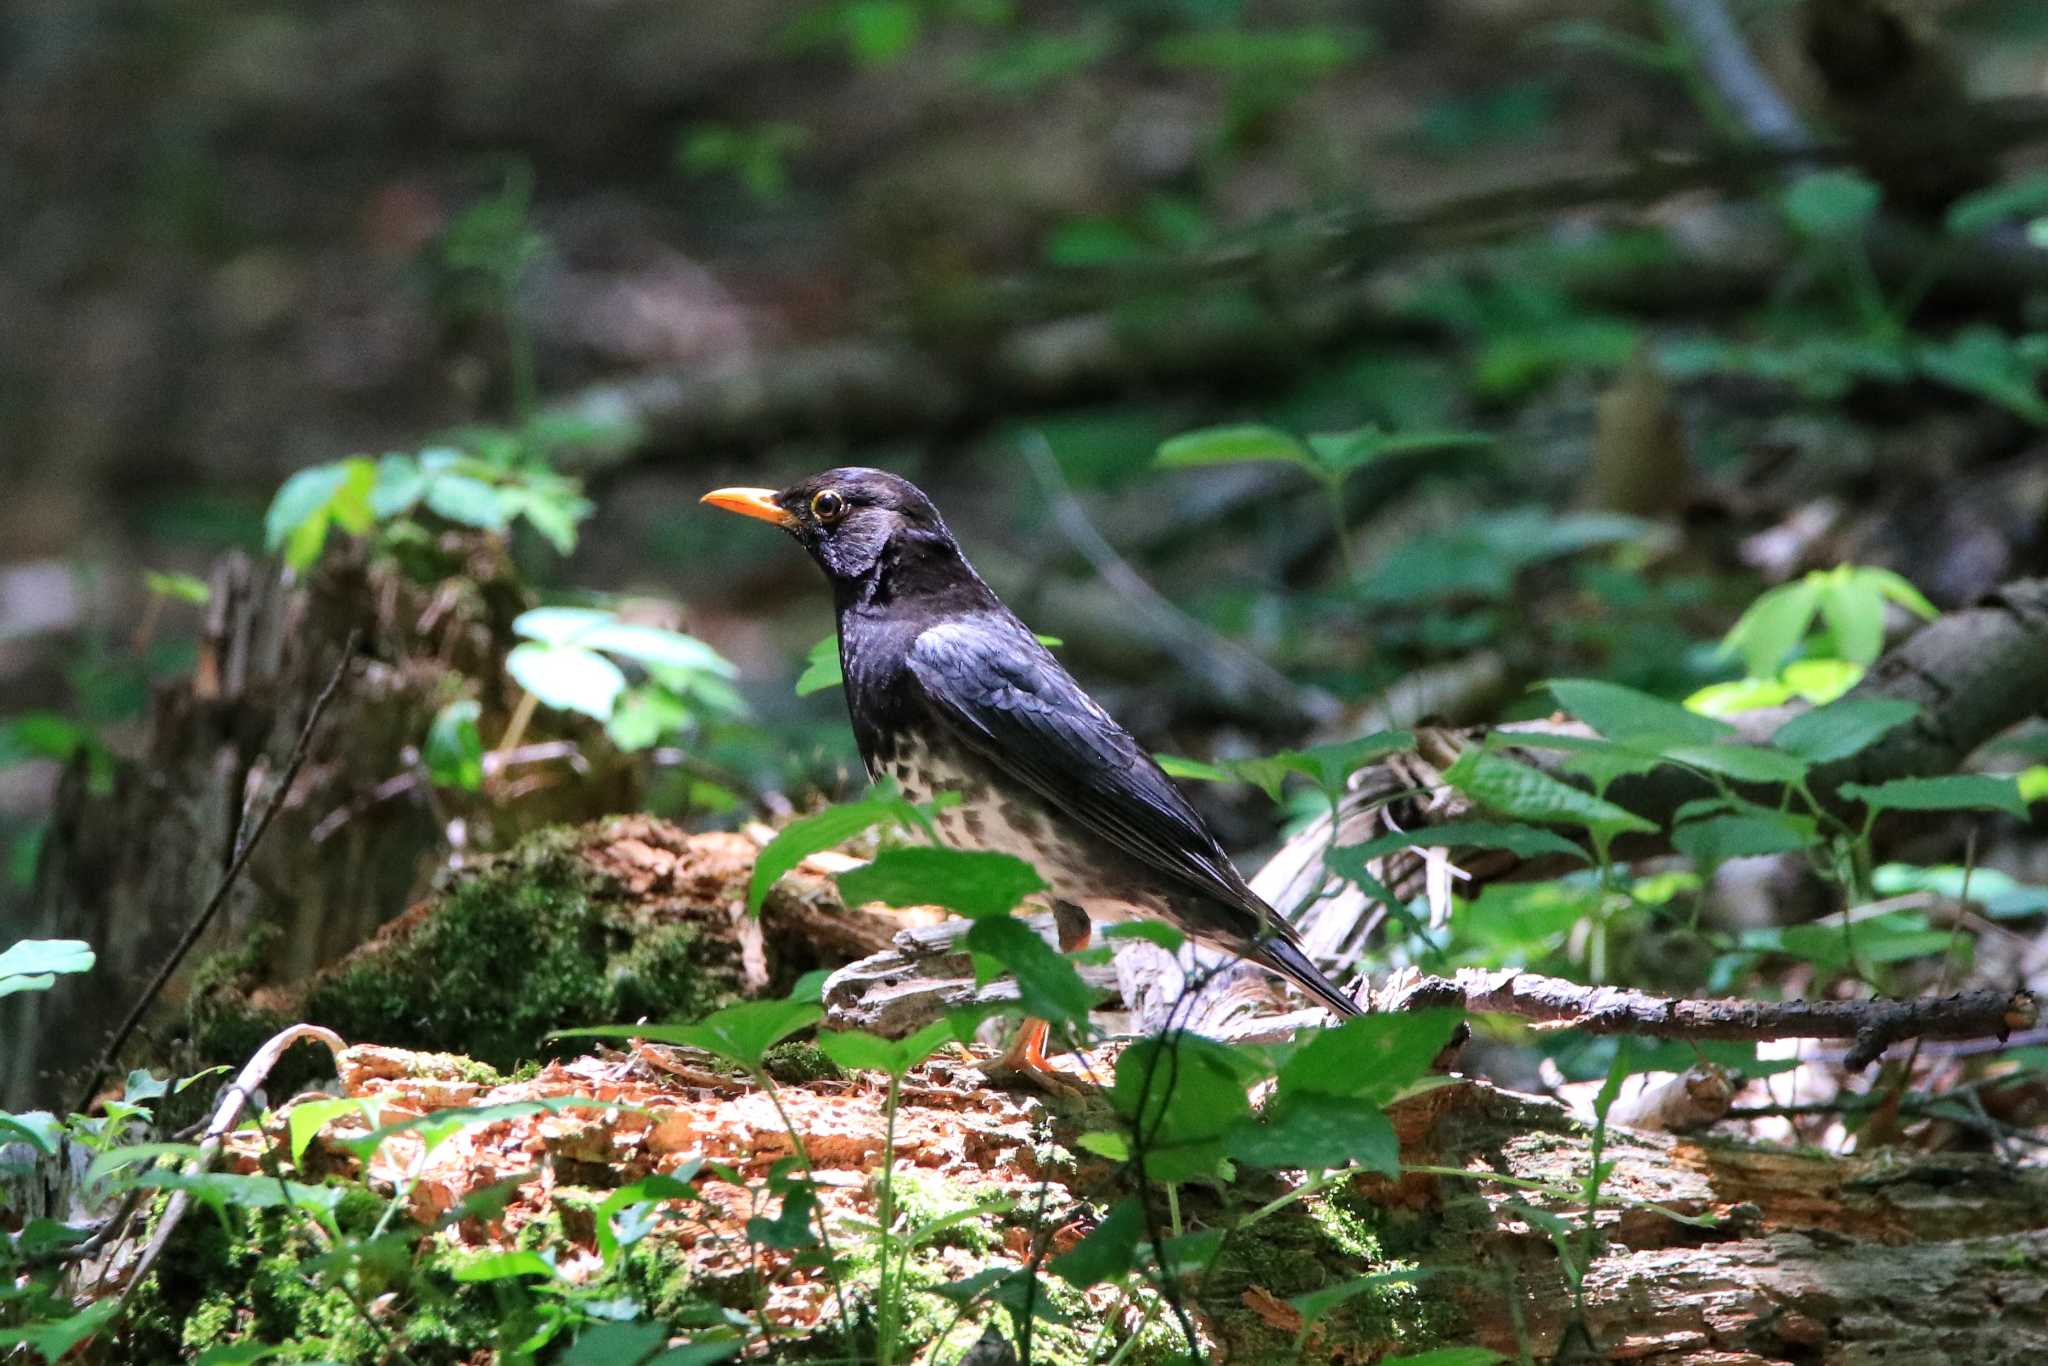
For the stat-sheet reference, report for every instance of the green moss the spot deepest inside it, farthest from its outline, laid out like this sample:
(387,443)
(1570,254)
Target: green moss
(246,1279)
(1320,1247)
(528,942)
(793,1064)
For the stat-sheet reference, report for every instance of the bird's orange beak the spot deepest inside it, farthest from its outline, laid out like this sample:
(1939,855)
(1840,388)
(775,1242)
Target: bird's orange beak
(756,503)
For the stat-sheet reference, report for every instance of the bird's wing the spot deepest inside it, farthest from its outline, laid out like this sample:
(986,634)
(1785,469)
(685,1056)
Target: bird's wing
(1002,695)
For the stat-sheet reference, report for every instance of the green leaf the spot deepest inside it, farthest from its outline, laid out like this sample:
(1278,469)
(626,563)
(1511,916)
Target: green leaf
(35,964)
(1712,842)
(1186,1094)
(1232,445)
(1742,763)
(567,677)
(1108,1250)
(1317,1303)
(821,668)
(437,1127)
(455,748)
(502,1266)
(1150,931)
(1446,1356)
(1599,761)
(973,883)
(644,715)
(40,1129)
(1773,625)
(853,1048)
(333,494)
(1343,452)
(741,1034)
(1516,790)
(1832,204)
(1899,590)
(1525,840)
(236,1354)
(652,646)
(1985,361)
(1046,979)
(1982,210)
(1105,1143)
(466,501)
(1843,728)
(1369,1057)
(615,1344)
(834,825)
(178,587)
(1176,766)
(400,484)
(1854,612)
(791,1228)
(1951,792)
(1312,1130)
(1633,717)
(647,1191)
(1329,766)
(55,1340)
(308,1117)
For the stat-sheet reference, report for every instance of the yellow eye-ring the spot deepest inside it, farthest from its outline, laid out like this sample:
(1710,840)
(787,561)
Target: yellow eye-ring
(828,506)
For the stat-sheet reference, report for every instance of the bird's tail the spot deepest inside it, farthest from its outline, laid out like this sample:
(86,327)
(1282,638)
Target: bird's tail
(1286,958)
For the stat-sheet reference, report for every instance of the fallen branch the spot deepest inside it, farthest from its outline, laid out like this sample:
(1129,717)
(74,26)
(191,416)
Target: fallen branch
(1872,1026)
(225,1116)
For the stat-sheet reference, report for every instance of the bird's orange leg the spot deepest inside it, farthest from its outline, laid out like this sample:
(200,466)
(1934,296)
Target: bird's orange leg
(1027,1053)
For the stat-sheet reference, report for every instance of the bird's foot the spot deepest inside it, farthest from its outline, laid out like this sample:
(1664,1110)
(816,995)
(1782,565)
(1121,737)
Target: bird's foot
(1027,1063)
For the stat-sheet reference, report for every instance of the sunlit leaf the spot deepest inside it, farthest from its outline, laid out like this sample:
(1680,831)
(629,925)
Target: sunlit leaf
(834,825)
(1513,789)
(1843,728)
(35,964)
(1773,625)
(568,677)
(1949,792)
(1046,979)
(973,883)
(1232,445)
(1742,763)
(454,751)
(1108,1250)
(1633,717)
(1832,204)
(741,1034)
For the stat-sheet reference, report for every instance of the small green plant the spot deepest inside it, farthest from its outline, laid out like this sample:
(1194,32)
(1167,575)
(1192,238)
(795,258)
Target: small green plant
(757,155)
(1329,458)
(1834,618)
(488,487)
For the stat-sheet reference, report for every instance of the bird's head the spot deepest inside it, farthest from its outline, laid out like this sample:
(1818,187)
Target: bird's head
(854,521)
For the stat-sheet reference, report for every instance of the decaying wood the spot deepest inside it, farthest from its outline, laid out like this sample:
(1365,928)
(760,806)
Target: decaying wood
(1777,1256)
(125,866)
(1871,1026)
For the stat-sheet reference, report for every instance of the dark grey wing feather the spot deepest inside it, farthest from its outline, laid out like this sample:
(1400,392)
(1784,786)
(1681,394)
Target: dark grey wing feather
(1001,694)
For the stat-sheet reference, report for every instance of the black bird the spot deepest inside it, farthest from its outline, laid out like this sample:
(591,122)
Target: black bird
(949,691)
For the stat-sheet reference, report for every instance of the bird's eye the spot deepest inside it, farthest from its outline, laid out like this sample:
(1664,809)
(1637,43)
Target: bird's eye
(828,506)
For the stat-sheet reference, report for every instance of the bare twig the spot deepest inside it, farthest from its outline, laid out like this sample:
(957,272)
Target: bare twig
(1230,669)
(1717,48)
(1871,1026)
(225,1116)
(243,849)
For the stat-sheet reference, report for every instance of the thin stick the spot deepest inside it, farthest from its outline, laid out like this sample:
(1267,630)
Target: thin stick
(1871,1026)
(243,849)
(224,1119)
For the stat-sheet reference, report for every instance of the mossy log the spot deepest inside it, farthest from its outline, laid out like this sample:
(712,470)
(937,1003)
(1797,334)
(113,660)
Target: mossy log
(1704,1251)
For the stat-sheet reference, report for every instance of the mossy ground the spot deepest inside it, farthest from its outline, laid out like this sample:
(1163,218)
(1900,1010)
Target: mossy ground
(528,942)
